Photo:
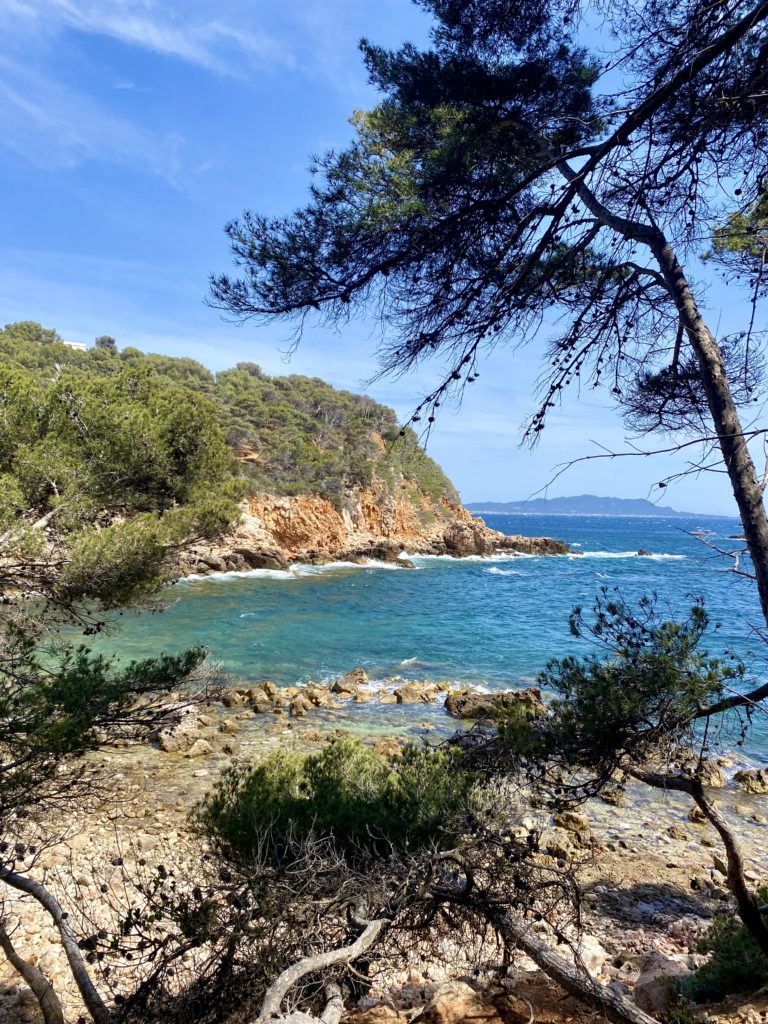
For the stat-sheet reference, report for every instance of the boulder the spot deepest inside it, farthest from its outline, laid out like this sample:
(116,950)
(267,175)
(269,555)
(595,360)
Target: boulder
(656,990)
(470,538)
(298,707)
(572,821)
(710,775)
(232,699)
(388,746)
(455,1002)
(262,559)
(214,562)
(350,683)
(320,696)
(200,748)
(675,832)
(590,953)
(180,733)
(753,780)
(416,693)
(470,704)
(533,545)
(556,843)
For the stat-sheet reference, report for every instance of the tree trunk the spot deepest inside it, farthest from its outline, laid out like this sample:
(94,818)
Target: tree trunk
(733,444)
(749,911)
(725,417)
(93,1002)
(575,980)
(34,977)
(280,987)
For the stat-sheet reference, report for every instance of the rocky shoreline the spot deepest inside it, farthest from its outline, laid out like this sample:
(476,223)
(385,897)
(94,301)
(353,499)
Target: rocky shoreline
(636,931)
(276,532)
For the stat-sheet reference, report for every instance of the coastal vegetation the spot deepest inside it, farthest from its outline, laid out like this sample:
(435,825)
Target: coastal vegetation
(289,435)
(494,185)
(499,192)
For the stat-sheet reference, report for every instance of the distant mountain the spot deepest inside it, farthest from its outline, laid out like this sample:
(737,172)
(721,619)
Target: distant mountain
(579,505)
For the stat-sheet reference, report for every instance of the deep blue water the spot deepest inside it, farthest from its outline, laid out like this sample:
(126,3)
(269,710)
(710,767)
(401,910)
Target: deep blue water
(487,622)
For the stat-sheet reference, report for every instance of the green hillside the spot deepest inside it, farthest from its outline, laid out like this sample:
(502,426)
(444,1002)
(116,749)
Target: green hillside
(290,435)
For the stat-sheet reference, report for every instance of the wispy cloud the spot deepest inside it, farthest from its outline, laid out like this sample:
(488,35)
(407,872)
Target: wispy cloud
(53,126)
(172,30)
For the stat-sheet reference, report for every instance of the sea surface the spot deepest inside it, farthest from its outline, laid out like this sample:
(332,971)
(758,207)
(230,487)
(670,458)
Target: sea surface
(491,623)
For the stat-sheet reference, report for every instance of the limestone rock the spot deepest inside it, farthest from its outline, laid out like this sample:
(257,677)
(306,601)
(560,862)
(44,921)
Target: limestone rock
(465,539)
(557,843)
(320,696)
(415,693)
(753,780)
(470,704)
(656,988)
(262,559)
(200,748)
(572,821)
(455,1002)
(675,832)
(232,699)
(350,683)
(180,733)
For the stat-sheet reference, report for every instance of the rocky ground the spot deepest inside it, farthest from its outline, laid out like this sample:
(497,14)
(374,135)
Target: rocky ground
(652,873)
(274,532)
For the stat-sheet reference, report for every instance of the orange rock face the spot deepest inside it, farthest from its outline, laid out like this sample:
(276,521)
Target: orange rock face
(373,522)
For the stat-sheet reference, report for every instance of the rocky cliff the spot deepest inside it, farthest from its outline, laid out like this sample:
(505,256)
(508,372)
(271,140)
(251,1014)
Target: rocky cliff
(374,522)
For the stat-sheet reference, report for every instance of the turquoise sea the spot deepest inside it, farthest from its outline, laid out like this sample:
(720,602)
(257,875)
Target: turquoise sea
(488,622)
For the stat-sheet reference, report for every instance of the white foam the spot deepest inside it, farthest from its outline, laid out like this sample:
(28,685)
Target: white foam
(510,557)
(627,554)
(297,570)
(495,571)
(266,574)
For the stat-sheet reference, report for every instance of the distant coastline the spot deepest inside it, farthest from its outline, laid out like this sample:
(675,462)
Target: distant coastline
(586,505)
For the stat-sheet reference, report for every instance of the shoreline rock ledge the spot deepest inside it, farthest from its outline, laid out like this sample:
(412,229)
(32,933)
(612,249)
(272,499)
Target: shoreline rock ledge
(275,532)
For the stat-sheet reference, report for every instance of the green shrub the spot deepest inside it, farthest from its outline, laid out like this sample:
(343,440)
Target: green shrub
(736,965)
(367,802)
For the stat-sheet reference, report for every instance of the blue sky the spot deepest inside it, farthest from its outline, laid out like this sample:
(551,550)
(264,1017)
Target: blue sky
(132,130)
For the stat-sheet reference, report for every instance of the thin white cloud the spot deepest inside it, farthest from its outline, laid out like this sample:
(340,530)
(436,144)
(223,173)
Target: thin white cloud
(167,29)
(52,126)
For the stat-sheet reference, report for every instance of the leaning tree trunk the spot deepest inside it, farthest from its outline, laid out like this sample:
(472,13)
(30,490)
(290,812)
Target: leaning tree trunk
(749,911)
(575,980)
(725,417)
(93,1002)
(47,999)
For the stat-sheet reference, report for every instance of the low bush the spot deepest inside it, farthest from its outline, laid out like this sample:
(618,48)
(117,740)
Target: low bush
(367,802)
(736,965)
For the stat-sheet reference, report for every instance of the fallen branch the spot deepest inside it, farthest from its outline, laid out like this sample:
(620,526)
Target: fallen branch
(280,987)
